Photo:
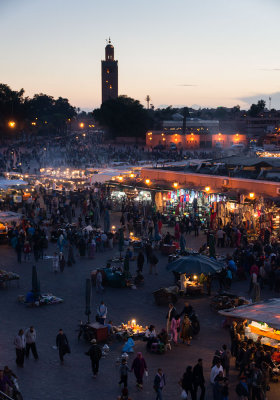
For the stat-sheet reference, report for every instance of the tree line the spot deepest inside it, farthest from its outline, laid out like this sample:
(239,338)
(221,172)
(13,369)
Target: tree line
(41,113)
(124,116)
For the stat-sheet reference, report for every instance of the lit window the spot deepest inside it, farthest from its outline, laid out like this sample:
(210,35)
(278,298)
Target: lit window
(110,87)
(108,71)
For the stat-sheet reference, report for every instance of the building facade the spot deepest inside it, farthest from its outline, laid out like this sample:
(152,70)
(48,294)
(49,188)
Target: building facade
(109,74)
(193,140)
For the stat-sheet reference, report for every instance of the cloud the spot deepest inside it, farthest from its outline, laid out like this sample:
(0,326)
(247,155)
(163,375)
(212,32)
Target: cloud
(186,84)
(270,69)
(275,99)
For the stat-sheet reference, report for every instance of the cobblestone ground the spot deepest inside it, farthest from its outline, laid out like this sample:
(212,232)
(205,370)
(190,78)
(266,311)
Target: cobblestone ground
(47,379)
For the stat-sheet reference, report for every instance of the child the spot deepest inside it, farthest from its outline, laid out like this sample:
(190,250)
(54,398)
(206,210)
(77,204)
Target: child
(123,372)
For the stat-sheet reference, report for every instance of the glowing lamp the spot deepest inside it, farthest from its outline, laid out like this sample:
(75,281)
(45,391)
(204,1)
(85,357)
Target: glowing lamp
(12,124)
(120,178)
(251,195)
(82,125)
(195,277)
(147,181)
(175,184)
(132,175)
(207,189)
(133,322)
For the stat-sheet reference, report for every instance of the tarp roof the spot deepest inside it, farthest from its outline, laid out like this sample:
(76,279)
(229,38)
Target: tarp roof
(249,161)
(7,183)
(267,311)
(9,216)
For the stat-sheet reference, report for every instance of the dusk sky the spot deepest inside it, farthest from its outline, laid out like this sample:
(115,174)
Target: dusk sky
(180,52)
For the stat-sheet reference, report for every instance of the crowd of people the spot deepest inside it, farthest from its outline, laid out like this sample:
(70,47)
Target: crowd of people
(79,225)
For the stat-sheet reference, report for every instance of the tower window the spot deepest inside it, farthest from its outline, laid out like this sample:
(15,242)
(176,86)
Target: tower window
(110,86)
(108,71)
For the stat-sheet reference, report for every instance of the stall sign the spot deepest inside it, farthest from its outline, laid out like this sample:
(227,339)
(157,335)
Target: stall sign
(187,197)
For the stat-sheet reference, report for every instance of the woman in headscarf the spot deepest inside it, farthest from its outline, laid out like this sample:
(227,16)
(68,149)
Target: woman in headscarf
(139,367)
(186,332)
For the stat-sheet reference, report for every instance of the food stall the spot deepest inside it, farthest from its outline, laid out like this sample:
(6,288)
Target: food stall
(192,271)
(263,321)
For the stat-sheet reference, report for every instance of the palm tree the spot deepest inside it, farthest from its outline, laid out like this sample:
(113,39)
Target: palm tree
(148,99)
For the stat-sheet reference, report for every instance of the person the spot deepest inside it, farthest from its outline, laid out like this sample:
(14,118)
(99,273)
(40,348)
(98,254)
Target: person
(256,382)
(139,366)
(225,359)
(150,336)
(71,259)
(20,344)
(102,313)
(5,383)
(26,250)
(95,355)
(218,387)
(175,328)
(30,337)
(153,263)
(98,282)
(123,373)
(215,370)
(124,395)
(61,262)
(140,261)
(171,314)
(242,389)
(187,310)
(150,332)
(159,383)
(220,237)
(187,382)
(55,262)
(13,387)
(186,331)
(225,389)
(62,344)
(198,379)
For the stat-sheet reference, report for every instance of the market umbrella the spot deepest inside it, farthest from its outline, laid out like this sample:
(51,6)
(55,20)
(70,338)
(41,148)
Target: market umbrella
(121,241)
(126,266)
(195,264)
(212,251)
(35,283)
(88,298)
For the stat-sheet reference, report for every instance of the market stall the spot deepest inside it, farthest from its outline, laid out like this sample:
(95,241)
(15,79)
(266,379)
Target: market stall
(263,321)
(7,276)
(192,271)
(44,299)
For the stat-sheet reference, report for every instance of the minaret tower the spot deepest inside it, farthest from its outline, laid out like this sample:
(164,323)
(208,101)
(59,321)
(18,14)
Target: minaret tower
(109,70)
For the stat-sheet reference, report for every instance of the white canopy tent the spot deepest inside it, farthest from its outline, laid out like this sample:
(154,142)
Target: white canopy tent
(267,311)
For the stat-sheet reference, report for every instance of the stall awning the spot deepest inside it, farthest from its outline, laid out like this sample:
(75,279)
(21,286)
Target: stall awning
(267,311)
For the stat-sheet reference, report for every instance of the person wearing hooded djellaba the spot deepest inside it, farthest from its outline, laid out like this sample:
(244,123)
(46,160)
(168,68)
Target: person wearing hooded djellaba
(139,367)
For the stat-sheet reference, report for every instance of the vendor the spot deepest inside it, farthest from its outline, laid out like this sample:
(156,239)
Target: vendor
(102,313)
(187,310)
(150,332)
(150,336)
(183,282)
